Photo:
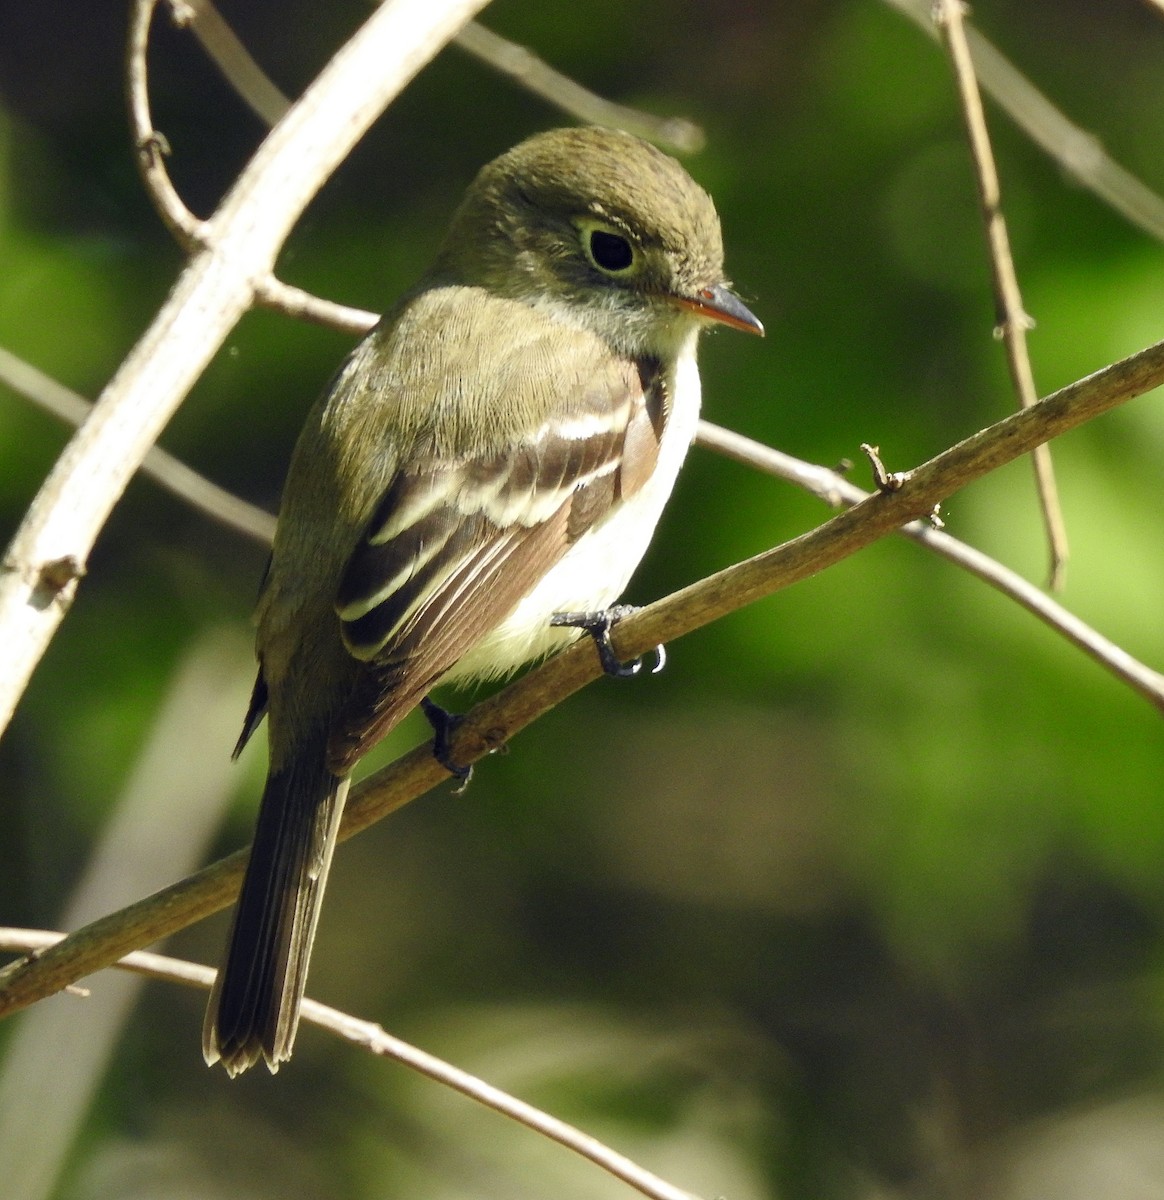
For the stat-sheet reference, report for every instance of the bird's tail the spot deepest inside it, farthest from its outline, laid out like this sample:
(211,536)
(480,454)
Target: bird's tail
(254,1007)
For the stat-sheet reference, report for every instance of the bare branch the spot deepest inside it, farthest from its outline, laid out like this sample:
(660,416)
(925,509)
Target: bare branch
(1077,150)
(1012,320)
(163,468)
(373,1037)
(303,306)
(497,719)
(151,146)
(519,63)
(232,58)
(535,75)
(838,492)
(827,485)
(38,576)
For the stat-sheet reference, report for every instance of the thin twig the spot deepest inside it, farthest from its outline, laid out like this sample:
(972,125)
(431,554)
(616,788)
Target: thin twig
(497,719)
(1012,320)
(516,62)
(269,104)
(40,568)
(886,481)
(303,306)
(1078,151)
(150,145)
(838,492)
(373,1037)
(163,468)
(536,75)
(249,80)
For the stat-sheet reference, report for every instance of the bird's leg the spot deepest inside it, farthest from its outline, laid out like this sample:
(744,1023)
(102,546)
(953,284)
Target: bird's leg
(444,725)
(598,625)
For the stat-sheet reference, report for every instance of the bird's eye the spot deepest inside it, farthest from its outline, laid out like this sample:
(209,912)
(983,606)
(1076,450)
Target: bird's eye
(611,251)
(608,250)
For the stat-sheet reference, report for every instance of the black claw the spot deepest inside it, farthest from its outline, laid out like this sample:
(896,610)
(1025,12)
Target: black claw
(598,625)
(444,725)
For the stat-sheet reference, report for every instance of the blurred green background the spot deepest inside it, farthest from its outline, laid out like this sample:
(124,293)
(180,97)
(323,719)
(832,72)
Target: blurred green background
(863,897)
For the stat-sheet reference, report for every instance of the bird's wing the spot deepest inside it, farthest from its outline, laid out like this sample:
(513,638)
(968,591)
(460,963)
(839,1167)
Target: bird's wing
(455,545)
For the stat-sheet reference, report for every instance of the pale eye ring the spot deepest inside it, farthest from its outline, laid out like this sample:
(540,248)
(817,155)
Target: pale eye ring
(608,249)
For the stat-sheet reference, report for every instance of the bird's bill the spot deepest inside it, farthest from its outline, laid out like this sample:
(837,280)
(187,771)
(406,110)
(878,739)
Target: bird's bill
(721,304)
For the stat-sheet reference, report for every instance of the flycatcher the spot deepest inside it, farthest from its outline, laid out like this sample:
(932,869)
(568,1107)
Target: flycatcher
(496,452)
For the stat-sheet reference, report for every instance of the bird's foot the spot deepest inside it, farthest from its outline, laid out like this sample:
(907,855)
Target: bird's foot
(444,725)
(599,624)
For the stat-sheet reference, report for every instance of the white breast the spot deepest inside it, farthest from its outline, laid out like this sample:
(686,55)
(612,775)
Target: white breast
(596,569)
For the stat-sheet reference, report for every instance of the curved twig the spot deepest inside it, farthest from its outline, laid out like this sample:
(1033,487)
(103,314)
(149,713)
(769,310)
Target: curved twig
(373,1037)
(151,146)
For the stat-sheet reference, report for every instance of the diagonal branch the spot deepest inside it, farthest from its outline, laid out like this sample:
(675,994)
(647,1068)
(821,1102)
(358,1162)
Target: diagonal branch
(249,80)
(534,74)
(516,62)
(1078,151)
(497,719)
(837,492)
(374,1039)
(166,470)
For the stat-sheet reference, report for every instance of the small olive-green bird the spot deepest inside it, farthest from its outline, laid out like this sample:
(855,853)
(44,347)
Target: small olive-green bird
(495,453)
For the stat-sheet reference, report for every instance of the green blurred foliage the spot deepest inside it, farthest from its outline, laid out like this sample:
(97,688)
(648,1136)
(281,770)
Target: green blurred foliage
(862,897)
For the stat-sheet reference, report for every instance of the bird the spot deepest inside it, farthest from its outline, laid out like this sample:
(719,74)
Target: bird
(496,453)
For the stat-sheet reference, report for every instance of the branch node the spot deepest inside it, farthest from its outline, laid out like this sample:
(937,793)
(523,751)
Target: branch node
(887,482)
(1018,322)
(941,13)
(55,576)
(153,147)
(182,15)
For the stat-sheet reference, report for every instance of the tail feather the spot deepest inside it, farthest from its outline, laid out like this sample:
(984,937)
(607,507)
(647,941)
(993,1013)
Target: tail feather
(254,1007)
